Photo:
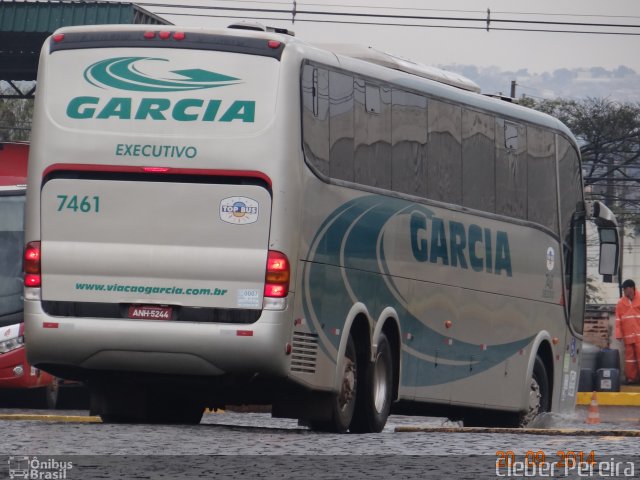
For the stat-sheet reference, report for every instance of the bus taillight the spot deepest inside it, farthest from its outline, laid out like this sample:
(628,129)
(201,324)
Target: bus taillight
(32,265)
(278,272)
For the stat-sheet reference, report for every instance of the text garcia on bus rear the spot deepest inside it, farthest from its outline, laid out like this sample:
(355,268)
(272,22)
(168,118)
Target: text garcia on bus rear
(234,217)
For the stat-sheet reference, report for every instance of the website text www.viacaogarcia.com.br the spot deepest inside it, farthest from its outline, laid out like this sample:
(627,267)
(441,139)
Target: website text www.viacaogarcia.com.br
(148,290)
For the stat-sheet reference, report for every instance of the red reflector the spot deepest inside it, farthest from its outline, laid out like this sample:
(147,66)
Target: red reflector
(273,44)
(155,169)
(277,276)
(178,36)
(164,35)
(277,262)
(149,34)
(32,280)
(32,258)
(273,290)
(244,333)
(58,37)
(50,325)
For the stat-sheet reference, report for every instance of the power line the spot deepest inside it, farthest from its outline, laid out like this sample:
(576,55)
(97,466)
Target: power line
(376,7)
(485,20)
(388,24)
(343,5)
(542,14)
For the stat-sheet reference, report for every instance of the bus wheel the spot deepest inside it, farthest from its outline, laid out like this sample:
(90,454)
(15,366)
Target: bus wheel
(539,393)
(168,408)
(374,397)
(52,394)
(45,397)
(342,404)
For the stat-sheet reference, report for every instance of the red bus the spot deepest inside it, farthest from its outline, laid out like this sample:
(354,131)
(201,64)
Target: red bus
(15,372)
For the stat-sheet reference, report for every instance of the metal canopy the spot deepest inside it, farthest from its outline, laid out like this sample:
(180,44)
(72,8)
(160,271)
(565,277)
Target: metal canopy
(25,25)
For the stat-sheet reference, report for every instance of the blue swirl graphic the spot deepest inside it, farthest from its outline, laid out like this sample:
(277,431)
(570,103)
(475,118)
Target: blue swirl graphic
(123,74)
(352,236)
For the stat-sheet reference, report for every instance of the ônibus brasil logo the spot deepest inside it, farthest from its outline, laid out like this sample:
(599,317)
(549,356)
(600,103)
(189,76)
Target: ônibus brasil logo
(124,73)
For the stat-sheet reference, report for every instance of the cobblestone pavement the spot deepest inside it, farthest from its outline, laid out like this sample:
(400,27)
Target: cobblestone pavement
(258,446)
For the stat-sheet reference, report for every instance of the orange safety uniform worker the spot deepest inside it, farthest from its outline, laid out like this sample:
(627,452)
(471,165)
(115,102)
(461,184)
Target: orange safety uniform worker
(628,329)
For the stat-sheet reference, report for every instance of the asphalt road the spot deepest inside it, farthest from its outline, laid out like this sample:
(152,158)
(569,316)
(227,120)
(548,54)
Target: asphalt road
(247,445)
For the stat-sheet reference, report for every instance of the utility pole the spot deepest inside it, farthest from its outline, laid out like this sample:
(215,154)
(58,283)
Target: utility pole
(513,89)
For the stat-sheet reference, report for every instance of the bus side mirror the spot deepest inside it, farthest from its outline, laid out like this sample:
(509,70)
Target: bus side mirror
(609,247)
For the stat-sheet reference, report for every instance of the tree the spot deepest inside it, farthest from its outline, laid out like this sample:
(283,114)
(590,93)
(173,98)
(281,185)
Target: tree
(609,137)
(15,118)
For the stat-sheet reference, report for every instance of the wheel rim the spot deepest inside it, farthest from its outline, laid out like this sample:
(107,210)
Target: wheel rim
(52,393)
(535,402)
(380,385)
(348,390)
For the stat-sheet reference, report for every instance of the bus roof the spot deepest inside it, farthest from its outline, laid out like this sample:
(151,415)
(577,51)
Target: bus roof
(369,54)
(13,164)
(420,81)
(373,63)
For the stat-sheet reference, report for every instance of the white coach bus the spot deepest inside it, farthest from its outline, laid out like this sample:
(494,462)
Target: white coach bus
(232,216)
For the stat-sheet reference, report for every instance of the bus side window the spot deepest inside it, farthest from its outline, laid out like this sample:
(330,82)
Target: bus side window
(444,170)
(315,116)
(510,136)
(341,113)
(570,202)
(409,143)
(373,100)
(511,170)
(541,178)
(478,161)
(571,187)
(372,134)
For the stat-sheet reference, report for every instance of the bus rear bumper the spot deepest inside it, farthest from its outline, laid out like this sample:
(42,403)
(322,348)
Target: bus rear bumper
(158,347)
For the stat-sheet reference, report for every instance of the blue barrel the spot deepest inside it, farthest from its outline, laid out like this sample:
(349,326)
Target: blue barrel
(608,380)
(589,357)
(608,358)
(586,382)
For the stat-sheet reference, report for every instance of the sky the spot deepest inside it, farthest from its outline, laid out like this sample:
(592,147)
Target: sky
(443,43)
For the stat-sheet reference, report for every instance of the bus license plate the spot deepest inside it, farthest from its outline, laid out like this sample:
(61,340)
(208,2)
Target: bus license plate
(149,312)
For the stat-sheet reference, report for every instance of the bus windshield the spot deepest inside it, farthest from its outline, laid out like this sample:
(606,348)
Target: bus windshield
(11,243)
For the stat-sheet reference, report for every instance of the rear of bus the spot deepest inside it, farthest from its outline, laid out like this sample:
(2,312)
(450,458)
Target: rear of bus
(156,165)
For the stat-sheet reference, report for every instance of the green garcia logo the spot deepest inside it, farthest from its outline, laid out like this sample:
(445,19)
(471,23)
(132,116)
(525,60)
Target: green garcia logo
(123,73)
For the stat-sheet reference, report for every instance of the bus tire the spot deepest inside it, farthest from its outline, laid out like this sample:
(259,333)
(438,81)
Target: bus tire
(539,403)
(167,408)
(373,402)
(52,394)
(539,393)
(342,404)
(146,406)
(45,397)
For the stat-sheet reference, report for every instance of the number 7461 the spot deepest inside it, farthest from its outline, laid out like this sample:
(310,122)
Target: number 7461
(85,204)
